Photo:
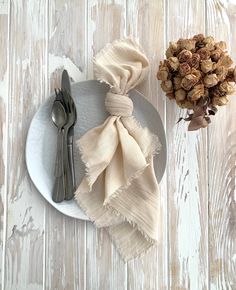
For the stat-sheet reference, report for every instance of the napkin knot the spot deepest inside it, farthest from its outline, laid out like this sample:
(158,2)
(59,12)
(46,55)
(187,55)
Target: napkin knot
(118,105)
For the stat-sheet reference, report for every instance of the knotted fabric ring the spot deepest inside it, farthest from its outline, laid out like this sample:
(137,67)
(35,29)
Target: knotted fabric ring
(119,105)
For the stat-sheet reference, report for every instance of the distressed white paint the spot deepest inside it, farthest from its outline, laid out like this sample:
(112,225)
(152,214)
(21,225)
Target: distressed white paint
(59,62)
(83,257)
(4,7)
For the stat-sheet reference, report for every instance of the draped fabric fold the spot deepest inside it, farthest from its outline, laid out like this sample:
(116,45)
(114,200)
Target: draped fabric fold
(120,191)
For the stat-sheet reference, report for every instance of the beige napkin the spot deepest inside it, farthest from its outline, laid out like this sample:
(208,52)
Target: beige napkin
(120,190)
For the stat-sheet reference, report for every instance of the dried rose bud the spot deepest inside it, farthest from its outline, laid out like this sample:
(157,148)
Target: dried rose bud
(206,65)
(210,80)
(169,52)
(184,69)
(215,54)
(221,101)
(225,60)
(209,43)
(227,88)
(199,37)
(167,86)
(197,73)
(163,72)
(185,55)
(173,62)
(186,104)
(230,75)
(221,45)
(180,95)
(209,39)
(188,44)
(189,81)
(221,73)
(194,61)
(170,95)
(196,93)
(215,93)
(204,53)
(172,49)
(177,82)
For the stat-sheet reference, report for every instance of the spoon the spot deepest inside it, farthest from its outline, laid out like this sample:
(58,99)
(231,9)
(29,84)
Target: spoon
(59,118)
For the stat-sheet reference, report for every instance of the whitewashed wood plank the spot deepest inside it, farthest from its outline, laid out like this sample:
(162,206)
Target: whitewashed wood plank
(3,129)
(66,237)
(145,21)
(221,16)
(105,268)
(27,79)
(187,172)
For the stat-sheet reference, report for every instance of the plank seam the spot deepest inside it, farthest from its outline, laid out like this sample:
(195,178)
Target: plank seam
(207,164)
(6,148)
(166,37)
(46,92)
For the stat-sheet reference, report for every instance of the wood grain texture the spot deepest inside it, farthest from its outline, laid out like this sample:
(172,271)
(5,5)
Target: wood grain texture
(186,173)
(105,268)
(143,19)
(27,82)
(44,250)
(221,23)
(65,237)
(3,125)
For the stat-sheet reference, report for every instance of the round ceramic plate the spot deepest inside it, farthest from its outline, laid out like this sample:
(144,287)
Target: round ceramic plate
(89,97)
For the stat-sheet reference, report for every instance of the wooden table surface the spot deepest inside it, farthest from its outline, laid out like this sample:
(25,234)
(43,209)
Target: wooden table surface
(43,249)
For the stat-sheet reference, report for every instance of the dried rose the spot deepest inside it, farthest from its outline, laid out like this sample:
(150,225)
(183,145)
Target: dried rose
(221,72)
(210,80)
(230,75)
(189,81)
(196,93)
(167,86)
(173,62)
(221,45)
(163,72)
(209,39)
(197,73)
(225,60)
(188,44)
(194,61)
(170,95)
(185,55)
(227,88)
(209,43)
(186,104)
(219,101)
(177,82)
(184,69)
(215,54)
(204,53)
(199,37)
(172,49)
(180,95)
(206,65)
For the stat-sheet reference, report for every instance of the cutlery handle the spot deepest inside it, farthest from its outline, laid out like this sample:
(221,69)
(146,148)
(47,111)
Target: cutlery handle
(58,194)
(58,171)
(69,190)
(71,159)
(58,190)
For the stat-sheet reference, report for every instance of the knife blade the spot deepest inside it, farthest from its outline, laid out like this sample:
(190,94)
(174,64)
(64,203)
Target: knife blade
(66,88)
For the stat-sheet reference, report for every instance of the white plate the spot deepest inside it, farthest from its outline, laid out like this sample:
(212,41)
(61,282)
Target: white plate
(89,98)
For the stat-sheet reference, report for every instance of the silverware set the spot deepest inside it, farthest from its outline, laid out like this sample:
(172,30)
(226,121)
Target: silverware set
(64,116)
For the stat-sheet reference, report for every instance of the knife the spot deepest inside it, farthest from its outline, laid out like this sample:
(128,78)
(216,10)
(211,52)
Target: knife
(66,88)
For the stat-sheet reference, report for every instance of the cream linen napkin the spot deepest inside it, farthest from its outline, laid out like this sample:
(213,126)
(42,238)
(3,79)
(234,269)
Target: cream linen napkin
(120,190)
